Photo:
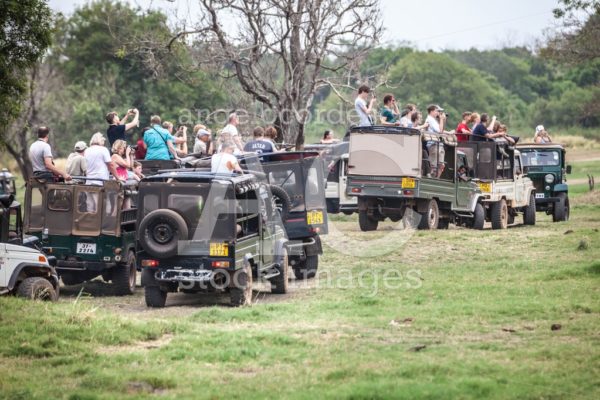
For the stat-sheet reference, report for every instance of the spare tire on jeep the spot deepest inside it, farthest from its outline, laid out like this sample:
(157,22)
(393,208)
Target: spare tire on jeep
(281,201)
(160,231)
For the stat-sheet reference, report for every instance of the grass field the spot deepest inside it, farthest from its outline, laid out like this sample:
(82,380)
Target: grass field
(435,315)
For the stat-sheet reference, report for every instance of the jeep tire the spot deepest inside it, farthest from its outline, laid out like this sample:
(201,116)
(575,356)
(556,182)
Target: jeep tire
(499,214)
(561,208)
(366,222)
(279,283)
(160,231)
(124,275)
(307,268)
(154,295)
(529,211)
(478,217)
(281,201)
(241,286)
(430,218)
(37,288)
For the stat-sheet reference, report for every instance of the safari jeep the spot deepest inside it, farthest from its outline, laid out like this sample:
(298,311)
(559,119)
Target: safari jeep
(335,158)
(24,271)
(390,173)
(199,231)
(545,165)
(89,229)
(498,170)
(297,184)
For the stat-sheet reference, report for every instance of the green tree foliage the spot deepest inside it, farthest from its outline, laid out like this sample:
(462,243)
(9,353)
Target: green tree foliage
(24,37)
(109,61)
(426,78)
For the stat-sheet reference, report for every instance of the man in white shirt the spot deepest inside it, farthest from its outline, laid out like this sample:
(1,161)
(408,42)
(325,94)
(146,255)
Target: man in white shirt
(225,162)
(99,162)
(360,104)
(435,149)
(231,130)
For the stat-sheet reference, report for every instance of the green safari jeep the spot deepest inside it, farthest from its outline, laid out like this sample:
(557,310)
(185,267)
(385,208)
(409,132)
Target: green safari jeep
(90,229)
(545,165)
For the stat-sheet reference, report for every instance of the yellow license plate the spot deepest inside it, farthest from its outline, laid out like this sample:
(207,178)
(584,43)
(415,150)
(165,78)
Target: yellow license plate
(408,183)
(485,186)
(314,217)
(219,250)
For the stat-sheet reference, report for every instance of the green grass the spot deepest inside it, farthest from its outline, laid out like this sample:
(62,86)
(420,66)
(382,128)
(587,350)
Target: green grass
(482,304)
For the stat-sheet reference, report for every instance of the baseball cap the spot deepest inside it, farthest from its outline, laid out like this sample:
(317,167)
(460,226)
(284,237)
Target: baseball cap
(203,132)
(539,128)
(79,146)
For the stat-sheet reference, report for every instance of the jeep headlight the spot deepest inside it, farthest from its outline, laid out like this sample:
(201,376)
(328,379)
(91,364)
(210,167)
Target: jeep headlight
(549,178)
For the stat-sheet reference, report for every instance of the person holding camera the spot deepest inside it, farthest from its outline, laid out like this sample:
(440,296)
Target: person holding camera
(390,112)
(360,104)
(121,157)
(435,121)
(181,134)
(117,128)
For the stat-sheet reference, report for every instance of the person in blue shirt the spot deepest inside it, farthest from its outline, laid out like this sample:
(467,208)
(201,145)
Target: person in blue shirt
(259,145)
(159,142)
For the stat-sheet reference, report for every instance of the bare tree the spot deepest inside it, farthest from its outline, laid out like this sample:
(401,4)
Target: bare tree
(280,51)
(42,78)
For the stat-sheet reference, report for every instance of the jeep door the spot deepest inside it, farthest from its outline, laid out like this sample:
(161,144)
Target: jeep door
(464,189)
(520,193)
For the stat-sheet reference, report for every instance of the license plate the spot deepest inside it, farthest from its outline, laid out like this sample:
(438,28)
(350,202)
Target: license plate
(485,186)
(314,217)
(219,250)
(86,248)
(539,195)
(408,183)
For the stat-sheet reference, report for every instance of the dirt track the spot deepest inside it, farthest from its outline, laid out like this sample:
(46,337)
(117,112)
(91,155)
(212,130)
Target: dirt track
(99,294)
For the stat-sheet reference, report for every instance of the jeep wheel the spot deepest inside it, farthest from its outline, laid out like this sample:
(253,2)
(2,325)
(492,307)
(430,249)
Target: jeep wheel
(366,222)
(124,275)
(443,223)
(241,289)
(529,211)
(279,283)
(561,208)
(478,217)
(430,218)
(37,288)
(155,297)
(307,268)
(281,201)
(499,213)
(71,279)
(160,231)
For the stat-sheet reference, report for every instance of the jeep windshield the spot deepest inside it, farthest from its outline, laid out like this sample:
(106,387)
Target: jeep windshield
(540,158)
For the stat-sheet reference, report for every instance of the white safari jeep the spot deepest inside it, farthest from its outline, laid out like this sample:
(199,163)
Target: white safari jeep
(498,169)
(27,273)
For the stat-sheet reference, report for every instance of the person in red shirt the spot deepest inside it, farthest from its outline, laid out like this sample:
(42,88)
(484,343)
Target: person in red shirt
(140,150)
(462,130)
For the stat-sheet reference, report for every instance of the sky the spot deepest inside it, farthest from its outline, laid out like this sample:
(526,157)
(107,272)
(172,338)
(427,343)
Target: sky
(430,24)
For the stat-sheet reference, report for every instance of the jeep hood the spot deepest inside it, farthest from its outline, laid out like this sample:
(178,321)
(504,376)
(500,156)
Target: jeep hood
(13,248)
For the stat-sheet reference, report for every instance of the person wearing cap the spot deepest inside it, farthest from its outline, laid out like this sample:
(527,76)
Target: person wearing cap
(76,163)
(202,145)
(541,135)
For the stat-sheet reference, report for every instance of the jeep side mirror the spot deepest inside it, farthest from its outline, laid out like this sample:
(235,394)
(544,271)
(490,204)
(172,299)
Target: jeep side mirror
(568,169)
(518,171)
